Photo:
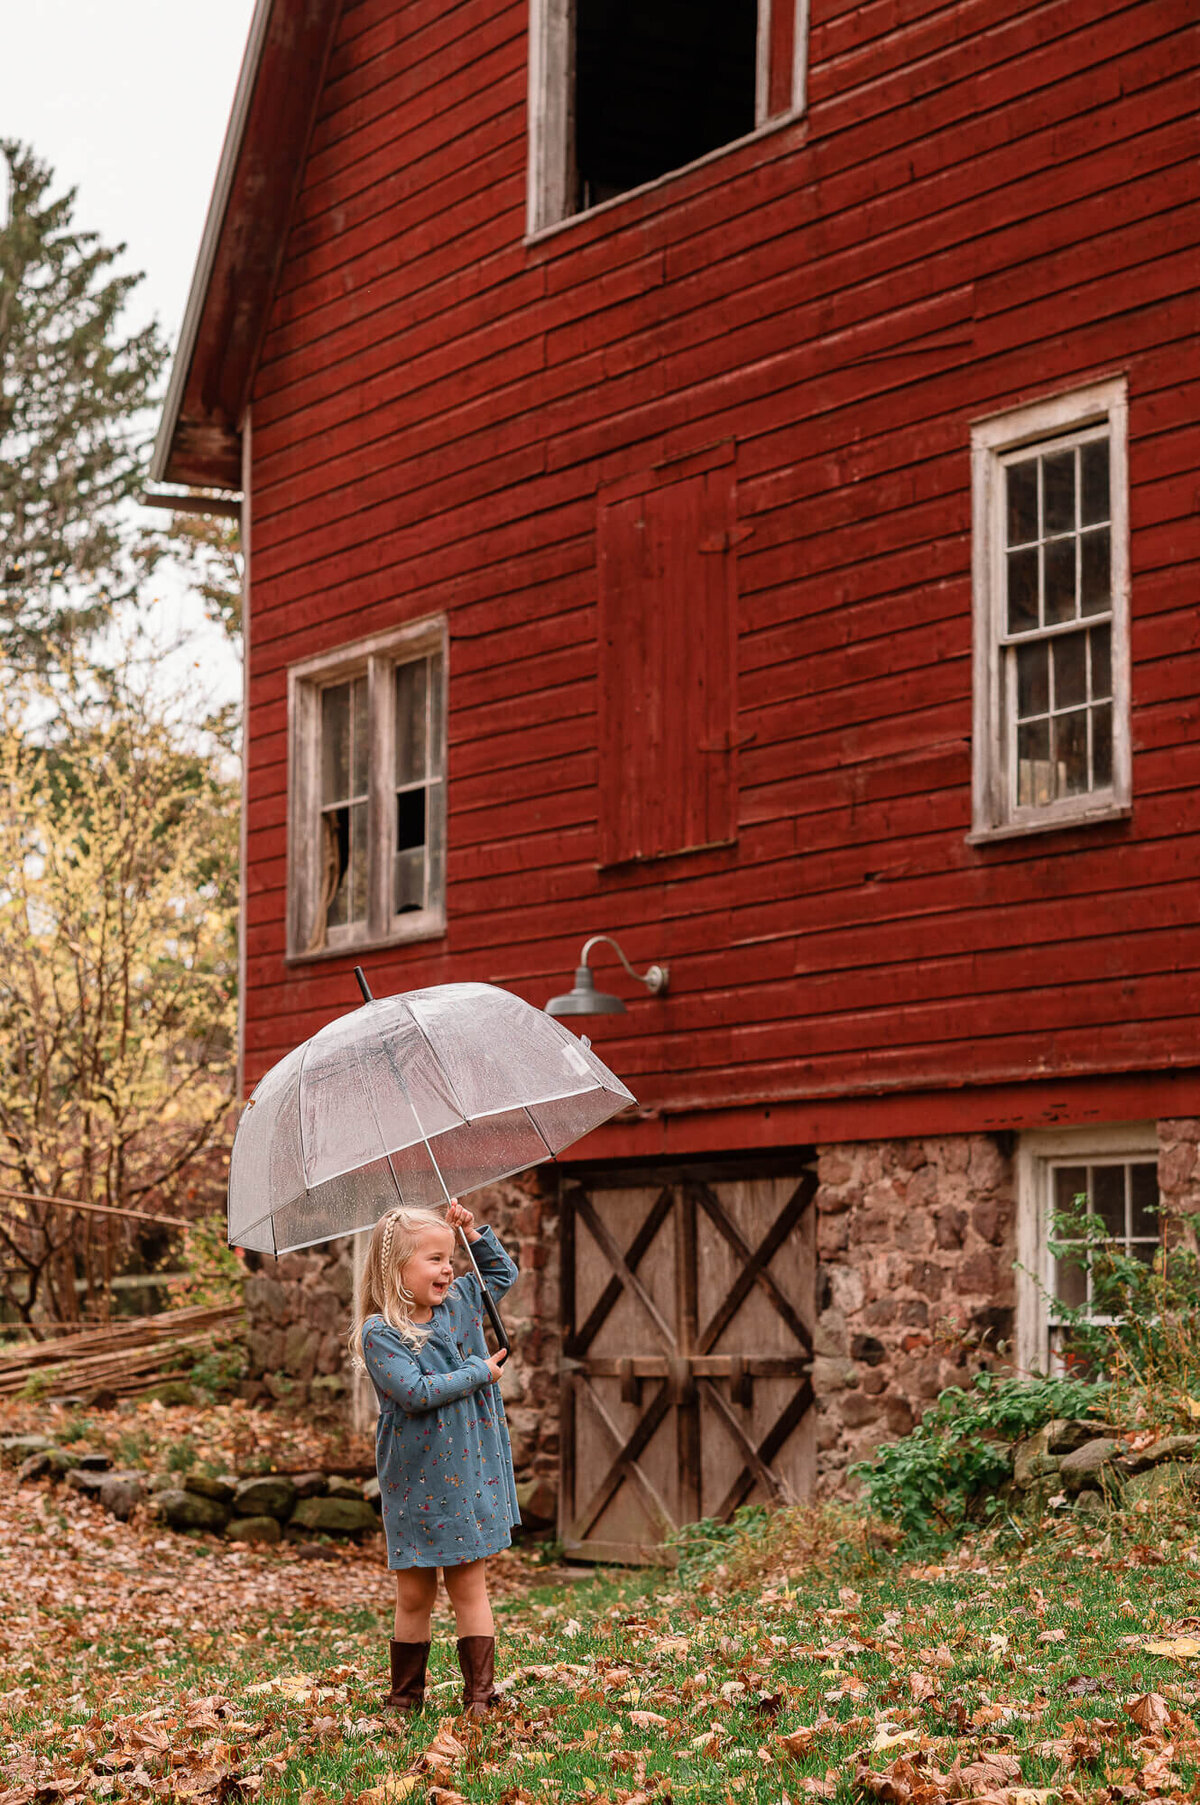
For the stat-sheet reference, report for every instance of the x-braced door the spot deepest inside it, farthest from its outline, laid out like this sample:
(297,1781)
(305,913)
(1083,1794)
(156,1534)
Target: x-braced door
(688,1301)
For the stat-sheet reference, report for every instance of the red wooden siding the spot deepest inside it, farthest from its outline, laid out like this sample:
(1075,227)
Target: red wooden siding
(986,204)
(668,648)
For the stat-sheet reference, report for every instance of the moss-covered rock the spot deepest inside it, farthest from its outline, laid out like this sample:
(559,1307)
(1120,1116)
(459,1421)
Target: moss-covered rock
(271,1495)
(253,1529)
(188,1510)
(334,1516)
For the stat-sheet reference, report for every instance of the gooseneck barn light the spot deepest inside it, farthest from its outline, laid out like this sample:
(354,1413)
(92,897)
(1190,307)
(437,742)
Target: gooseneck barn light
(584,999)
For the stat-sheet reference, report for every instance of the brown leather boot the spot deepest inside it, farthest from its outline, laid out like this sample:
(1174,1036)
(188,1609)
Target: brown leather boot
(408,1660)
(477,1658)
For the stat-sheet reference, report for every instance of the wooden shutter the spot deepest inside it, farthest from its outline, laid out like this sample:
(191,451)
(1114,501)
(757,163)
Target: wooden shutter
(668,776)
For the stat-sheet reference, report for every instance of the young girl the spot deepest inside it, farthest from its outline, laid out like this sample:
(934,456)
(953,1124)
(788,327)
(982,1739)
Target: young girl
(441,1446)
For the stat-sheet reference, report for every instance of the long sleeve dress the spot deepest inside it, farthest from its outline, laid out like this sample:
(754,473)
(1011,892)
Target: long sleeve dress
(441,1445)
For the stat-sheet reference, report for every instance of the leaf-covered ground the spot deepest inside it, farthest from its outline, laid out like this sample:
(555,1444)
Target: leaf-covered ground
(135,1664)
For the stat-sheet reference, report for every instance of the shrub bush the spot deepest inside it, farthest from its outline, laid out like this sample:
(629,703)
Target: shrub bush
(947,1472)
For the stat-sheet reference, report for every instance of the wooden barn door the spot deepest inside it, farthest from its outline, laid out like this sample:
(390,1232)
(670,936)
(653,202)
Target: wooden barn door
(687,1306)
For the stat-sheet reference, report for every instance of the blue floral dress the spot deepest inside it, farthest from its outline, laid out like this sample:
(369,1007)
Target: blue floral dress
(441,1446)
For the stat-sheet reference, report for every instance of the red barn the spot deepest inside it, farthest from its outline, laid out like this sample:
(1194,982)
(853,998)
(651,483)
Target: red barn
(725,476)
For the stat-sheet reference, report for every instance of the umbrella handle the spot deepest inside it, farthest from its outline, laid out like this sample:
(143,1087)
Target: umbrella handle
(489,1306)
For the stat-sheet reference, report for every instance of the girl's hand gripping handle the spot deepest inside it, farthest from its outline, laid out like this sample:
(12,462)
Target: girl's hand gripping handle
(496,1362)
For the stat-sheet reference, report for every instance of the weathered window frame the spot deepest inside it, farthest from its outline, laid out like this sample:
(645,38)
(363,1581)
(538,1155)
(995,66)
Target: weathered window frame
(1039,1153)
(551,124)
(1047,425)
(377,658)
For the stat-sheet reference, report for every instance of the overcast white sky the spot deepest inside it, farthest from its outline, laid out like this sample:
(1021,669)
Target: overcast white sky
(128,101)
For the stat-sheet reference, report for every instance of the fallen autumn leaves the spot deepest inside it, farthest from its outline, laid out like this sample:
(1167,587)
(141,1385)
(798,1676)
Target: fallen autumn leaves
(137,1666)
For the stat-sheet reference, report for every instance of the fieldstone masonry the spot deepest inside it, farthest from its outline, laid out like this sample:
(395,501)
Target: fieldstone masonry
(916,1242)
(915,1249)
(1179,1166)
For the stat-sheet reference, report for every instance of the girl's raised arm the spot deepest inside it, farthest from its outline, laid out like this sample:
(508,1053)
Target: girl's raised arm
(497,1267)
(397,1375)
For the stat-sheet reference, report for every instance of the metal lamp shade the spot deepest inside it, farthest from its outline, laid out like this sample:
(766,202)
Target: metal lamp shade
(413,1099)
(584,999)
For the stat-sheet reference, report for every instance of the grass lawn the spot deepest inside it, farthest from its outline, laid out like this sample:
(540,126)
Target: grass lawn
(139,1665)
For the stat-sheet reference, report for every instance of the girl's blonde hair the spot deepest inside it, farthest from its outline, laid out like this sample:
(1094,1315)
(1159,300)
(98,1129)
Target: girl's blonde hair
(381,1292)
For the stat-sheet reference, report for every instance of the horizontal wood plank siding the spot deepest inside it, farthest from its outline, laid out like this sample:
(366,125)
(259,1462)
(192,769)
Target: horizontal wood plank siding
(985,204)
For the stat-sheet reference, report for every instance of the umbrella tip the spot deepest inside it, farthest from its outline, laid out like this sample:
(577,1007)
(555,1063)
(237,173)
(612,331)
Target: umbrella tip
(363,985)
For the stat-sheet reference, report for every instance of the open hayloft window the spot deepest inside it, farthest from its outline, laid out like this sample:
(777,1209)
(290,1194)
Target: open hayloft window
(624,92)
(366,845)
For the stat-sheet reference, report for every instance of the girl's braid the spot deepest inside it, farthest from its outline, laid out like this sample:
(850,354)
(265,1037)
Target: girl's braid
(385,1252)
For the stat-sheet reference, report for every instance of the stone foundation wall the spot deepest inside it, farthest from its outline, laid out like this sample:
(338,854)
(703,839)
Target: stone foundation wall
(1179,1166)
(298,1311)
(915,1248)
(916,1242)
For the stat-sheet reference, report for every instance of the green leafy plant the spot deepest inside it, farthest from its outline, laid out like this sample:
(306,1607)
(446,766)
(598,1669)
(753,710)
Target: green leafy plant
(948,1471)
(182,1455)
(215,1274)
(1148,1349)
(215,1374)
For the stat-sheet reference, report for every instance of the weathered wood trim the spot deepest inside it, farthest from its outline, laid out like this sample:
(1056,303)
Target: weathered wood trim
(375,657)
(550,123)
(1035,1150)
(995,814)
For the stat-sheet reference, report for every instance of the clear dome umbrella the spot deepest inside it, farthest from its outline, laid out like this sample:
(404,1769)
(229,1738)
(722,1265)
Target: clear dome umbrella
(411,1099)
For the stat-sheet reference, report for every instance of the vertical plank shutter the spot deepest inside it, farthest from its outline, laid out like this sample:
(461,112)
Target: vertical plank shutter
(668,779)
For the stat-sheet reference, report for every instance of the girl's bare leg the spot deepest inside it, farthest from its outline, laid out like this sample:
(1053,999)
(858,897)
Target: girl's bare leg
(467,1587)
(416,1589)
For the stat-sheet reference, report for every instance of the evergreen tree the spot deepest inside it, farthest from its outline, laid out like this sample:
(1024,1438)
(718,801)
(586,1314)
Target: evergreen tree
(75,419)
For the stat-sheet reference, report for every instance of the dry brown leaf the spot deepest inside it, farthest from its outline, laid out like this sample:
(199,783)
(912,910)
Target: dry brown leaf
(991,1773)
(647,1720)
(1150,1712)
(395,1787)
(921,1686)
(1053,1636)
(1174,1648)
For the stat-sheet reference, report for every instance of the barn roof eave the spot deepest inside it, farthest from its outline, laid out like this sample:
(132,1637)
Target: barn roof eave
(262,159)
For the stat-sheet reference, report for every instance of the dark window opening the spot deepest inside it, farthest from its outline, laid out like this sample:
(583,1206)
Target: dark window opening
(409,889)
(657,84)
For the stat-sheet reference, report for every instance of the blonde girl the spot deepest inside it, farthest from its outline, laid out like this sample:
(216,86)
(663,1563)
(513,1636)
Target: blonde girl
(441,1446)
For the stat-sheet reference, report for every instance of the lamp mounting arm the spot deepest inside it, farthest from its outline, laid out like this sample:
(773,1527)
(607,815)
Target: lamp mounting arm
(654,977)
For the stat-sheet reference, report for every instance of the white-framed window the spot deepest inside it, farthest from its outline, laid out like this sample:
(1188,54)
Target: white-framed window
(623,93)
(1115,1170)
(367,793)
(1050,570)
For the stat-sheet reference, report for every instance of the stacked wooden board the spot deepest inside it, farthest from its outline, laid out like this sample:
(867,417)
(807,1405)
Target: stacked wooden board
(123,1359)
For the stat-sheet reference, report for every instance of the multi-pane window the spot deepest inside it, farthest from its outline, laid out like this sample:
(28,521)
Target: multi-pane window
(1058,605)
(1051,727)
(367,802)
(1122,1195)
